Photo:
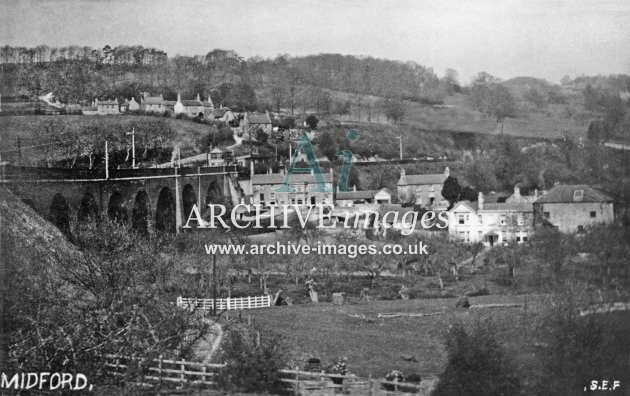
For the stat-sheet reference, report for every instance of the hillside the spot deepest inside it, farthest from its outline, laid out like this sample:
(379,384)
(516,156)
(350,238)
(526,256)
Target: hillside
(150,132)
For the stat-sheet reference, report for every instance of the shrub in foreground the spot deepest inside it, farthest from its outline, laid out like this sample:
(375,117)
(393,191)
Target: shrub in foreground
(477,364)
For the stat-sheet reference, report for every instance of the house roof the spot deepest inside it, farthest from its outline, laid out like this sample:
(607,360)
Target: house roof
(496,207)
(217,113)
(153,100)
(107,102)
(169,103)
(191,103)
(436,178)
(258,119)
(508,207)
(565,194)
(362,194)
(296,178)
(216,151)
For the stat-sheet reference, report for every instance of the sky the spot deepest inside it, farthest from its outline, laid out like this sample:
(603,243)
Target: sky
(506,38)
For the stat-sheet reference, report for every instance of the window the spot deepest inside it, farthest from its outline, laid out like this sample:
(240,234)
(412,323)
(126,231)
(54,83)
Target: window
(524,239)
(480,219)
(462,235)
(462,218)
(593,214)
(546,215)
(503,220)
(580,228)
(520,219)
(262,197)
(518,239)
(578,195)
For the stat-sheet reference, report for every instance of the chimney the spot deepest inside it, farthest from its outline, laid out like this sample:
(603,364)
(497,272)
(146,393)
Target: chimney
(480,201)
(354,188)
(536,193)
(517,191)
(198,98)
(179,98)
(447,172)
(403,178)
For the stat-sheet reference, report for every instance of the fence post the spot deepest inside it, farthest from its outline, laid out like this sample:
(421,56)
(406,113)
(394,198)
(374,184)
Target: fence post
(160,368)
(203,376)
(228,303)
(370,385)
(179,301)
(183,374)
(297,380)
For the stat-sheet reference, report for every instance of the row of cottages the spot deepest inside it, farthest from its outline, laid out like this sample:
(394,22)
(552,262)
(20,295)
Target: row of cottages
(191,108)
(569,208)
(264,188)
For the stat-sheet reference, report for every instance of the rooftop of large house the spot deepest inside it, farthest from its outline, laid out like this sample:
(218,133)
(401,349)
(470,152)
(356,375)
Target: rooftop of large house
(217,113)
(432,178)
(573,193)
(361,194)
(108,102)
(191,103)
(254,118)
(153,100)
(499,207)
(296,178)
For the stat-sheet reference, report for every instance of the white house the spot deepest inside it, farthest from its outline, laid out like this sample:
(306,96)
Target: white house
(490,223)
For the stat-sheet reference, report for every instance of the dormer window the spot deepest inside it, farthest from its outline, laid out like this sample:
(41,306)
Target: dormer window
(578,195)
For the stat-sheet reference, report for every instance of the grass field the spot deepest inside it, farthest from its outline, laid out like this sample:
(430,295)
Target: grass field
(377,345)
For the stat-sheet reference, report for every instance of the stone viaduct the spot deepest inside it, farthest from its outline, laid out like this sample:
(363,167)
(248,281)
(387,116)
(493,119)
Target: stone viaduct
(148,198)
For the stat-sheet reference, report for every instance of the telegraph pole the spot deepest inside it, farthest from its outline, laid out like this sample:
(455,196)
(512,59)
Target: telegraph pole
(214,285)
(400,138)
(19,147)
(133,147)
(106,162)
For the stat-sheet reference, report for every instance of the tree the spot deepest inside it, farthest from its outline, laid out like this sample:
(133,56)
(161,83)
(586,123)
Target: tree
(394,110)
(254,359)
(312,121)
(451,190)
(327,145)
(468,194)
(533,96)
(488,96)
(261,136)
(477,364)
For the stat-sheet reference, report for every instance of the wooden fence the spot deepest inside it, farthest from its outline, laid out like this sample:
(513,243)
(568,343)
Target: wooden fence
(225,304)
(310,383)
(181,372)
(163,370)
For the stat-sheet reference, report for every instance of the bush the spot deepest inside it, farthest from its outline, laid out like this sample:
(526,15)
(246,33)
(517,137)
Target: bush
(254,360)
(477,364)
(577,349)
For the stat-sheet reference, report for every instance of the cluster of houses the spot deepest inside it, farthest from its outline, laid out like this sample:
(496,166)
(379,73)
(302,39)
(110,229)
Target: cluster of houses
(490,220)
(157,105)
